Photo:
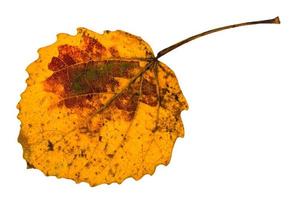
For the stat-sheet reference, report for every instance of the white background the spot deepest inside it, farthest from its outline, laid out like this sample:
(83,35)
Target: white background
(240,84)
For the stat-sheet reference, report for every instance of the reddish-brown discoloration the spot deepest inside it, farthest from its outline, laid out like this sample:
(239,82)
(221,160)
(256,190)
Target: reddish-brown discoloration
(114,52)
(89,78)
(72,55)
(127,102)
(93,47)
(149,93)
(149,88)
(52,83)
(56,64)
(75,101)
(79,76)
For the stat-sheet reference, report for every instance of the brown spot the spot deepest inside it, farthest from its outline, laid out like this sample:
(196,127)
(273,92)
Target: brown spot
(93,47)
(111,172)
(176,97)
(82,153)
(83,129)
(127,102)
(155,129)
(87,165)
(50,145)
(77,174)
(108,116)
(148,88)
(110,155)
(75,102)
(149,93)
(114,52)
(150,100)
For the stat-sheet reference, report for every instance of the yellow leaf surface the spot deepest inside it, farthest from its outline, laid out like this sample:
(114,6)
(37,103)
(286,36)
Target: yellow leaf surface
(99,109)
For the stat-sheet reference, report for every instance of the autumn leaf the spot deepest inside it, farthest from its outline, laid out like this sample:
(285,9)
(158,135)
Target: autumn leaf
(99,108)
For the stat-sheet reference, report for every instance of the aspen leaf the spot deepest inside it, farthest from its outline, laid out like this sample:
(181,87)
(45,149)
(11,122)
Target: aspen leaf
(99,108)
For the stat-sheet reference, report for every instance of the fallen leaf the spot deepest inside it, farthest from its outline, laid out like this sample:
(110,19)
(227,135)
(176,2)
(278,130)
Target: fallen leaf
(99,108)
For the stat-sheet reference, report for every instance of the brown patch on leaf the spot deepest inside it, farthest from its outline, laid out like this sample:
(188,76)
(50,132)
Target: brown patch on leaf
(127,102)
(72,55)
(56,64)
(88,79)
(93,47)
(149,93)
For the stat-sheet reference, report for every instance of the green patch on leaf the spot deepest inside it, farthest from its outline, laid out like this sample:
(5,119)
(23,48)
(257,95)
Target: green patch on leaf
(77,87)
(91,74)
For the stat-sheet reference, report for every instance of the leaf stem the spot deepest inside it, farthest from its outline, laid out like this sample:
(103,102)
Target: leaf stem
(275,20)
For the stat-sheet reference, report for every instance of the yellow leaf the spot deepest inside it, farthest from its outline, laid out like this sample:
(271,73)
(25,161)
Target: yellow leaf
(100,108)
(97,110)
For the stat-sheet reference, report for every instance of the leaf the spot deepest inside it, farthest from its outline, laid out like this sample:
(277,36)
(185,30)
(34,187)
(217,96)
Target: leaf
(99,108)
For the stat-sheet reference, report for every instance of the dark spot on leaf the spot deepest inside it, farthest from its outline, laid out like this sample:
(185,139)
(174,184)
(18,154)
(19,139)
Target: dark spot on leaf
(87,165)
(114,52)
(111,172)
(82,153)
(110,155)
(50,145)
(176,97)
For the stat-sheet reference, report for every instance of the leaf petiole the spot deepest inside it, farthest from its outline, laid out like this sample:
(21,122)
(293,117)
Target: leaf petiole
(275,20)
